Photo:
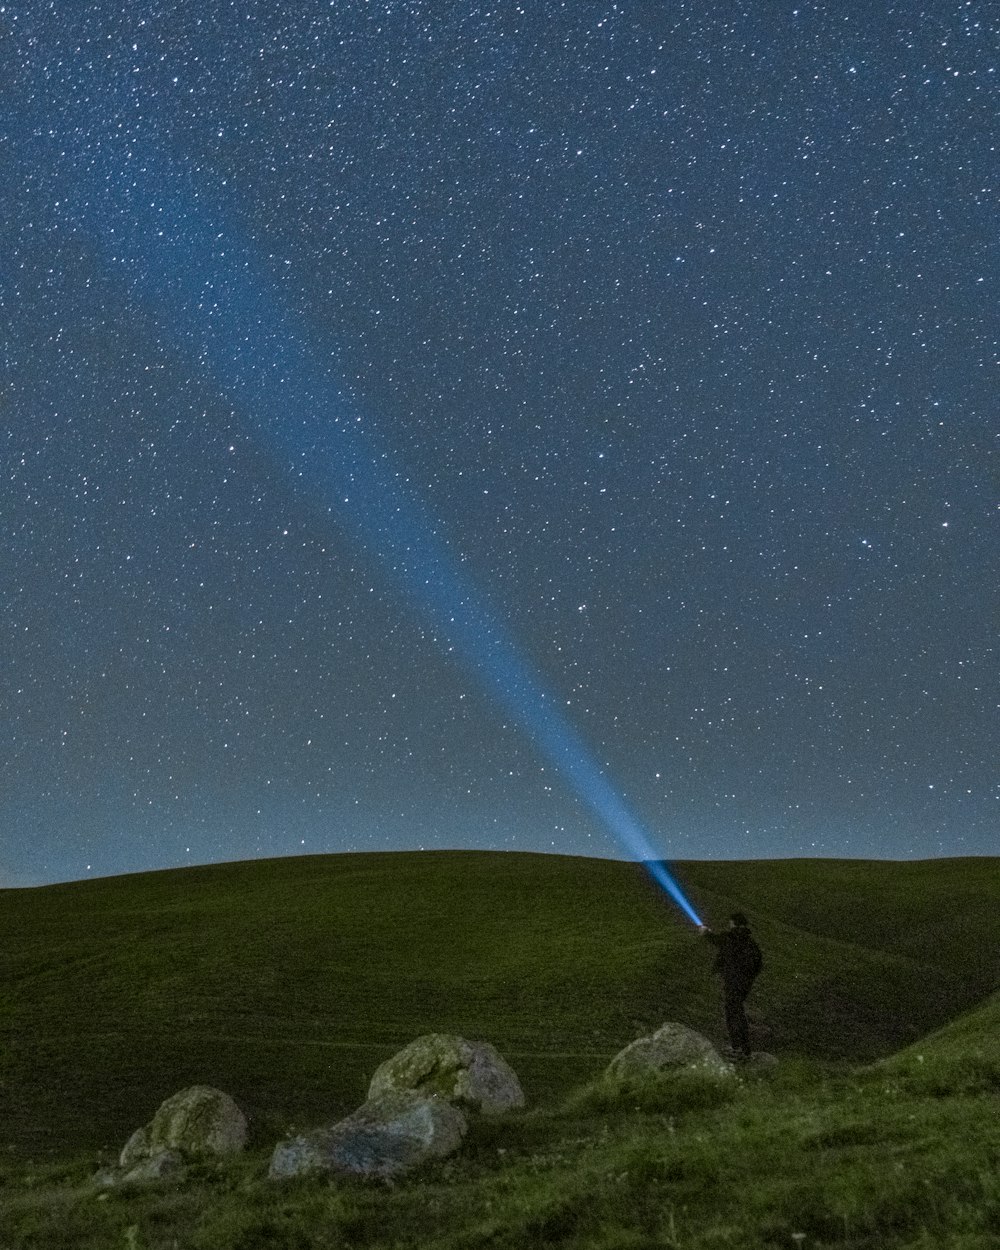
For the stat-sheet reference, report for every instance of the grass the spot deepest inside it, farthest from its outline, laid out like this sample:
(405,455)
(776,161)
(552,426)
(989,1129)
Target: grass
(829,1159)
(285,983)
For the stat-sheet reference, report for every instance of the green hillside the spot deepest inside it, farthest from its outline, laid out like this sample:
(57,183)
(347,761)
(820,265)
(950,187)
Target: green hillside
(961,1058)
(286,982)
(975,1032)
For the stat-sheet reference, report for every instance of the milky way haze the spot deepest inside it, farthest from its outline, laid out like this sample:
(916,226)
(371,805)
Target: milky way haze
(673,326)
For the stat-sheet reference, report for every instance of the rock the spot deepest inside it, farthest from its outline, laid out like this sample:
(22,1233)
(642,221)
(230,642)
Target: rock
(136,1148)
(761,1059)
(158,1167)
(199,1122)
(388,1135)
(673,1047)
(304,1155)
(471,1075)
(162,1165)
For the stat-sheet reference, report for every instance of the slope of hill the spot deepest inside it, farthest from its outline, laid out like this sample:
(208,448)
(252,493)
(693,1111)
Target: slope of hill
(286,982)
(963,1058)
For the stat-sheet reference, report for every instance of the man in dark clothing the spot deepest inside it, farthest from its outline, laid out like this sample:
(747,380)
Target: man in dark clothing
(738,960)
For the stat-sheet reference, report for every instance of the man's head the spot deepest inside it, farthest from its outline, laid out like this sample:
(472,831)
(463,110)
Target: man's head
(738,921)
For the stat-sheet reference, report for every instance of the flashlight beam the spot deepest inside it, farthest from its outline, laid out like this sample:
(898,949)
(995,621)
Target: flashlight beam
(199,278)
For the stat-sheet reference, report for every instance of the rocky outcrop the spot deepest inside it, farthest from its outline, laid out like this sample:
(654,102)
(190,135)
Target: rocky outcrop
(392,1133)
(470,1075)
(672,1048)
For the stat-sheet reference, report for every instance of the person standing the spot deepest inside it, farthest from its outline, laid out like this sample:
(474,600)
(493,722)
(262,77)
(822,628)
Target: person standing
(738,960)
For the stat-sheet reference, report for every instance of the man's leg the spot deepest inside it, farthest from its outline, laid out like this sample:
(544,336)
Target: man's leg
(736,1020)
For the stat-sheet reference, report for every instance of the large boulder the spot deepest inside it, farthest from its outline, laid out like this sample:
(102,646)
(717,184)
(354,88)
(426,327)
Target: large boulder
(471,1075)
(390,1134)
(198,1122)
(672,1048)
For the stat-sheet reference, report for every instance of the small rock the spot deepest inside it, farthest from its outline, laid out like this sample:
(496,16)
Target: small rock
(136,1148)
(158,1167)
(162,1165)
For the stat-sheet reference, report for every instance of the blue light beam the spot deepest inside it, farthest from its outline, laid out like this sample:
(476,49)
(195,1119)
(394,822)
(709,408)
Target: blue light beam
(202,282)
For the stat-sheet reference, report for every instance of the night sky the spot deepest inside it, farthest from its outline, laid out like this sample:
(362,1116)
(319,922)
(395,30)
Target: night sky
(391,389)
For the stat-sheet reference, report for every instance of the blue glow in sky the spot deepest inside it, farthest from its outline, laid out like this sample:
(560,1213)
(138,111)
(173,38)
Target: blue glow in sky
(165,244)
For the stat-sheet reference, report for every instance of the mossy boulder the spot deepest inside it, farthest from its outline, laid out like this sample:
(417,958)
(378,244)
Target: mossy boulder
(673,1047)
(471,1075)
(388,1135)
(198,1122)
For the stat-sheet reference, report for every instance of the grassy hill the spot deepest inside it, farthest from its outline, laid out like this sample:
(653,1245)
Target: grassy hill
(286,982)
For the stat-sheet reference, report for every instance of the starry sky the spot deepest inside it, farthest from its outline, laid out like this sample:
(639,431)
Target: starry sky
(663,334)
